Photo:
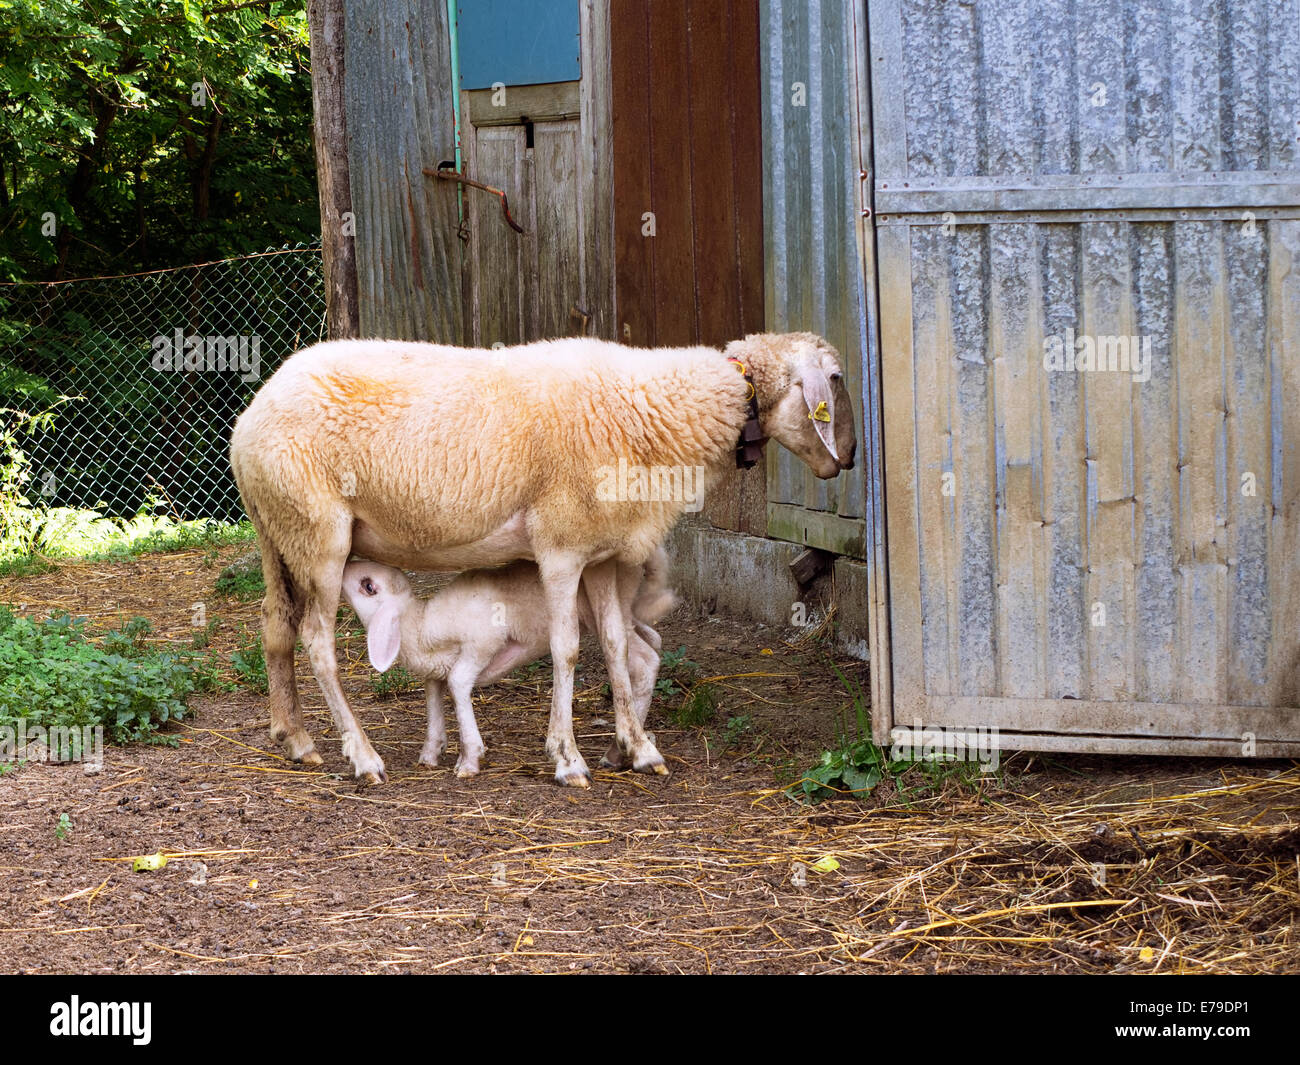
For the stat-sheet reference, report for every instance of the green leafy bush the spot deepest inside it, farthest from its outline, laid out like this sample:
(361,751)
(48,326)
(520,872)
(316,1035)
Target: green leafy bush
(53,674)
(677,673)
(393,681)
(856,764)
(242,580)
(249,662)
(853,768)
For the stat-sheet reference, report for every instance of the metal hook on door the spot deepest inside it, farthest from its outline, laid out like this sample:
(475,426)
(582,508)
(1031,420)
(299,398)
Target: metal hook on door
(447,172)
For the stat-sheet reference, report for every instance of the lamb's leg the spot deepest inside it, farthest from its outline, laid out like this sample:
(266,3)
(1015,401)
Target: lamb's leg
(318,637)
(435,741)
(560,576)
(461,683)
(281,616)
(612,615)
(643,670)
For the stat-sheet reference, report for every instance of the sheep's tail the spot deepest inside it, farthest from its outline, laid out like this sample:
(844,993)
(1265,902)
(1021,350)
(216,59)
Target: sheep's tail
(283,602)
(654,598)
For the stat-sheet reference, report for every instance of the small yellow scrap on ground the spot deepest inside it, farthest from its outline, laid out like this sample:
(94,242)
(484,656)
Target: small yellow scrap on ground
(147,863)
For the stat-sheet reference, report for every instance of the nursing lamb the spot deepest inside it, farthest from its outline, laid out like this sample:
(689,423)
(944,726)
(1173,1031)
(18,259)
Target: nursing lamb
(477,629)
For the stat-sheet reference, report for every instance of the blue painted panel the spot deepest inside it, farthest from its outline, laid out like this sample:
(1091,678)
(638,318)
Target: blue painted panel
(518,42)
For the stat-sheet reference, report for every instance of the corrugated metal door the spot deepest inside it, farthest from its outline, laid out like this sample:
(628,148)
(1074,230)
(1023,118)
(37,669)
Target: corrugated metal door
(1089,269)
(814,105)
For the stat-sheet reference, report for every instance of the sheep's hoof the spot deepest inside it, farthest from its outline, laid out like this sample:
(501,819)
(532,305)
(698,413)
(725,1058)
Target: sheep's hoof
(650,761)
(576,780)
(299,747)
(613,759)
(372,780)
(465,772)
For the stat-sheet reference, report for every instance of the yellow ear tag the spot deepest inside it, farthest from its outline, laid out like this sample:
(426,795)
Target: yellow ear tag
(821,414)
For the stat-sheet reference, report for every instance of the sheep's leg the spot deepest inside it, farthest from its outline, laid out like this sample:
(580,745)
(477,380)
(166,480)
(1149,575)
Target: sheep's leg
(643,670)
(435,740)
(560,577)
(612,613)
(281,617)
(318,637)
(461,683)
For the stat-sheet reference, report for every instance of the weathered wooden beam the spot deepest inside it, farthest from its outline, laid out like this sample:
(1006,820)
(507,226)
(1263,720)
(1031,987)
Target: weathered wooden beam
(809,565)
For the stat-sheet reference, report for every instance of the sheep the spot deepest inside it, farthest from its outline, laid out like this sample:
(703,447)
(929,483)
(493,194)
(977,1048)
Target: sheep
(429,457)
(479,628)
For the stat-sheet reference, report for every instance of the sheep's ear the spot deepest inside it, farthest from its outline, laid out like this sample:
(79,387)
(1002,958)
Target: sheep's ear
(820,397)
(384,636)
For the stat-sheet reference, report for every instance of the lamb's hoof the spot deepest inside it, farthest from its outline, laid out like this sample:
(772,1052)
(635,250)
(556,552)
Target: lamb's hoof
(661,770)
(428,763)
(311,758)
(373,780)
(465,770)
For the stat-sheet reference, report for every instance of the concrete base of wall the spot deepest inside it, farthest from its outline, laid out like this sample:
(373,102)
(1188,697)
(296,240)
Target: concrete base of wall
(717,571)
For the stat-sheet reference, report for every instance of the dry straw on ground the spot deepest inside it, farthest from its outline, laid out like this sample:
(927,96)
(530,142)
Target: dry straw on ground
(1067,865)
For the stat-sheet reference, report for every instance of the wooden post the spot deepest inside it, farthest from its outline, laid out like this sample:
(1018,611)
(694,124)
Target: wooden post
(326,24)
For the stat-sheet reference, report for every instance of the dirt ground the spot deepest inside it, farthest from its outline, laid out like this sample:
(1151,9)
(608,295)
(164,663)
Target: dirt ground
(1082,865)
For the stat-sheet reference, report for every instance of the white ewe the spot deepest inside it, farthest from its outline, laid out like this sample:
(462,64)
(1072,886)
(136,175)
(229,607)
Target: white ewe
(440,458)
(477,629)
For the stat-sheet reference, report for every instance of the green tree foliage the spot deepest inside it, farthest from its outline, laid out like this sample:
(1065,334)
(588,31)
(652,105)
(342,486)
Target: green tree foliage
(145,133)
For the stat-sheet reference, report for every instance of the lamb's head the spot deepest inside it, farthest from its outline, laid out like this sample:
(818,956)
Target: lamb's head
(802,399)
(380,595)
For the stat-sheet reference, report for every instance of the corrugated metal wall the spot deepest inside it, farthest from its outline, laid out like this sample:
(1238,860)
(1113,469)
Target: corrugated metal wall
(1092,552)
(812,268)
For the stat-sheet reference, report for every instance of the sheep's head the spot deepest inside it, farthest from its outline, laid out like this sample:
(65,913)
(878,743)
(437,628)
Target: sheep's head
(802,400)
(379,595)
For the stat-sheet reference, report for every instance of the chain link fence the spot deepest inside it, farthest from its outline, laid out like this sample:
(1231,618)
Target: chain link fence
(158,366)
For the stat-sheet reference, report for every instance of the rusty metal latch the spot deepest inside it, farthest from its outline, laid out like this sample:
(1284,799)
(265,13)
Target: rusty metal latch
(579,319)
(448,172)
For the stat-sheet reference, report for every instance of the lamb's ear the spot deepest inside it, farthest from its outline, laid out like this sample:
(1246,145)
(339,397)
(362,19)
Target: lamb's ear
(384,636)
(820,397)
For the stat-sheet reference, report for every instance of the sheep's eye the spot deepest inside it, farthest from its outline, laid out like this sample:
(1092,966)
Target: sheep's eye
(836,376)
(368,586)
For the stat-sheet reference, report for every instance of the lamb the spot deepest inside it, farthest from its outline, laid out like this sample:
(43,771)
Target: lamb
(440,458)
(479,628)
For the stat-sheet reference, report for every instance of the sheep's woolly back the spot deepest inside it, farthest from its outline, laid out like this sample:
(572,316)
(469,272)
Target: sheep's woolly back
(436,445)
